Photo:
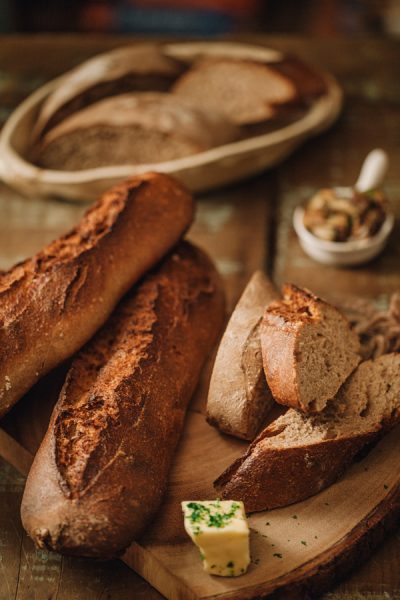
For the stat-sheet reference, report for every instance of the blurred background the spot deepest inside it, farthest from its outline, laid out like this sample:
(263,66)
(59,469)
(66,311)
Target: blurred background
(204,18)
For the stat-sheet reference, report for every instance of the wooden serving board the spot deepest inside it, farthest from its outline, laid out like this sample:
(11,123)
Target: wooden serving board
(298,550)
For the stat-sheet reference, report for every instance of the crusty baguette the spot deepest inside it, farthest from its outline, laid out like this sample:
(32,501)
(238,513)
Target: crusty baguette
(51,304)
(239,398)
(130,68)
(245,91)
(101,471)
(309,349)
(299,455)
(136,128)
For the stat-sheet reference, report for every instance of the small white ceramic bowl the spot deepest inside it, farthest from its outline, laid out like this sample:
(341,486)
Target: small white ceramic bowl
(341,254)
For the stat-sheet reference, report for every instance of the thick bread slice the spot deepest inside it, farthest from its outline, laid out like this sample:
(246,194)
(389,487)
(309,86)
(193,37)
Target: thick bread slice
(298,455)
(308,349)
(126,69)
(51,304)
(132,129)
(239,398)
(101,471)
(244,91)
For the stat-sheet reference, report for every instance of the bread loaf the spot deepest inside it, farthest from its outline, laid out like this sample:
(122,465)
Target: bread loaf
(308,349)
(101,471)
(239,398)
(126,69)
(299,455)
(244,91)
(51,304)
(132,129)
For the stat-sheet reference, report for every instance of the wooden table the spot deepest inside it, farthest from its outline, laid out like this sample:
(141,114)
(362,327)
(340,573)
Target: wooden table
(244,227)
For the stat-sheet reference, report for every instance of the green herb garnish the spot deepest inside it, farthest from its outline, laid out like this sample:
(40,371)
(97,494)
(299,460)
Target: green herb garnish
(201,513)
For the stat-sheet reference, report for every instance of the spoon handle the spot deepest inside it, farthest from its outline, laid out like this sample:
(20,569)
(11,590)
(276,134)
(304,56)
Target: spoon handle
(373,170)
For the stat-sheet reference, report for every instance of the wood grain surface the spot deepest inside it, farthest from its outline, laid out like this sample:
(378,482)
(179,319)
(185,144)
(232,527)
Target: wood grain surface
(245,227)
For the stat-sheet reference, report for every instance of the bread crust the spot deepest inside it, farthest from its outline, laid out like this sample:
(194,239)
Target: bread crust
(266,478)
(280,331)
(239,398)
(51,304)
(101,470)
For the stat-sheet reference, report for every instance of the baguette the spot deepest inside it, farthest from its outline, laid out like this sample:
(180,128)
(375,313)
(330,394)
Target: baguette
(51,304)
(309,350)
(126,69)
(239,398)
(136,128)
(299,455)
(101,471)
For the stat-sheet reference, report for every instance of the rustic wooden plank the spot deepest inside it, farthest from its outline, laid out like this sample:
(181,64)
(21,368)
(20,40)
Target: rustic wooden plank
(232,226)
(11,487)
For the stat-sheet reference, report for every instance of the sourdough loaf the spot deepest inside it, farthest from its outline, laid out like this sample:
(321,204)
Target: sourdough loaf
(239,398)
(308,349)
(299,455)
(244,91)
(126,69)
(51,304)
(132,129)
(101,471)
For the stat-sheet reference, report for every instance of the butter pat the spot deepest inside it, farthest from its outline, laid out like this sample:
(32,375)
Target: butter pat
(220,530)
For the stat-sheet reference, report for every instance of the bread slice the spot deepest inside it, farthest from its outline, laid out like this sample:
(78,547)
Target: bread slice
(308,349)
(239,398)
(132,129)
(130,68)
(299,455)
(245,91)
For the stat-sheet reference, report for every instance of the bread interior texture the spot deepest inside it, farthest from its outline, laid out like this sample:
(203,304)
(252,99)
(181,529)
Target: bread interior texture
(325,357)
(102,146)
(367,401)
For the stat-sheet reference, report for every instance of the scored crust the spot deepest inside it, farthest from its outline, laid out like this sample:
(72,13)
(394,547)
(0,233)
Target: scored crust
(52,303)
(101,470)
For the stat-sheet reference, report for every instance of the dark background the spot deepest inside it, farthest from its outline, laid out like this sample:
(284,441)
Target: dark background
(205,18)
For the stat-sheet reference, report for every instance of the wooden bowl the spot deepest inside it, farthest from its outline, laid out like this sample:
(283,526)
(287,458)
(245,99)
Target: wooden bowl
(203,171)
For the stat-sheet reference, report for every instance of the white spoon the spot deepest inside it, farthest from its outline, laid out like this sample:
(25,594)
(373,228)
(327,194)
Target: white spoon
(373,170)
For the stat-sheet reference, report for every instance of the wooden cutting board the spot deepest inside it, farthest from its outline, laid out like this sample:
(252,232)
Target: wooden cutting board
(298,550)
